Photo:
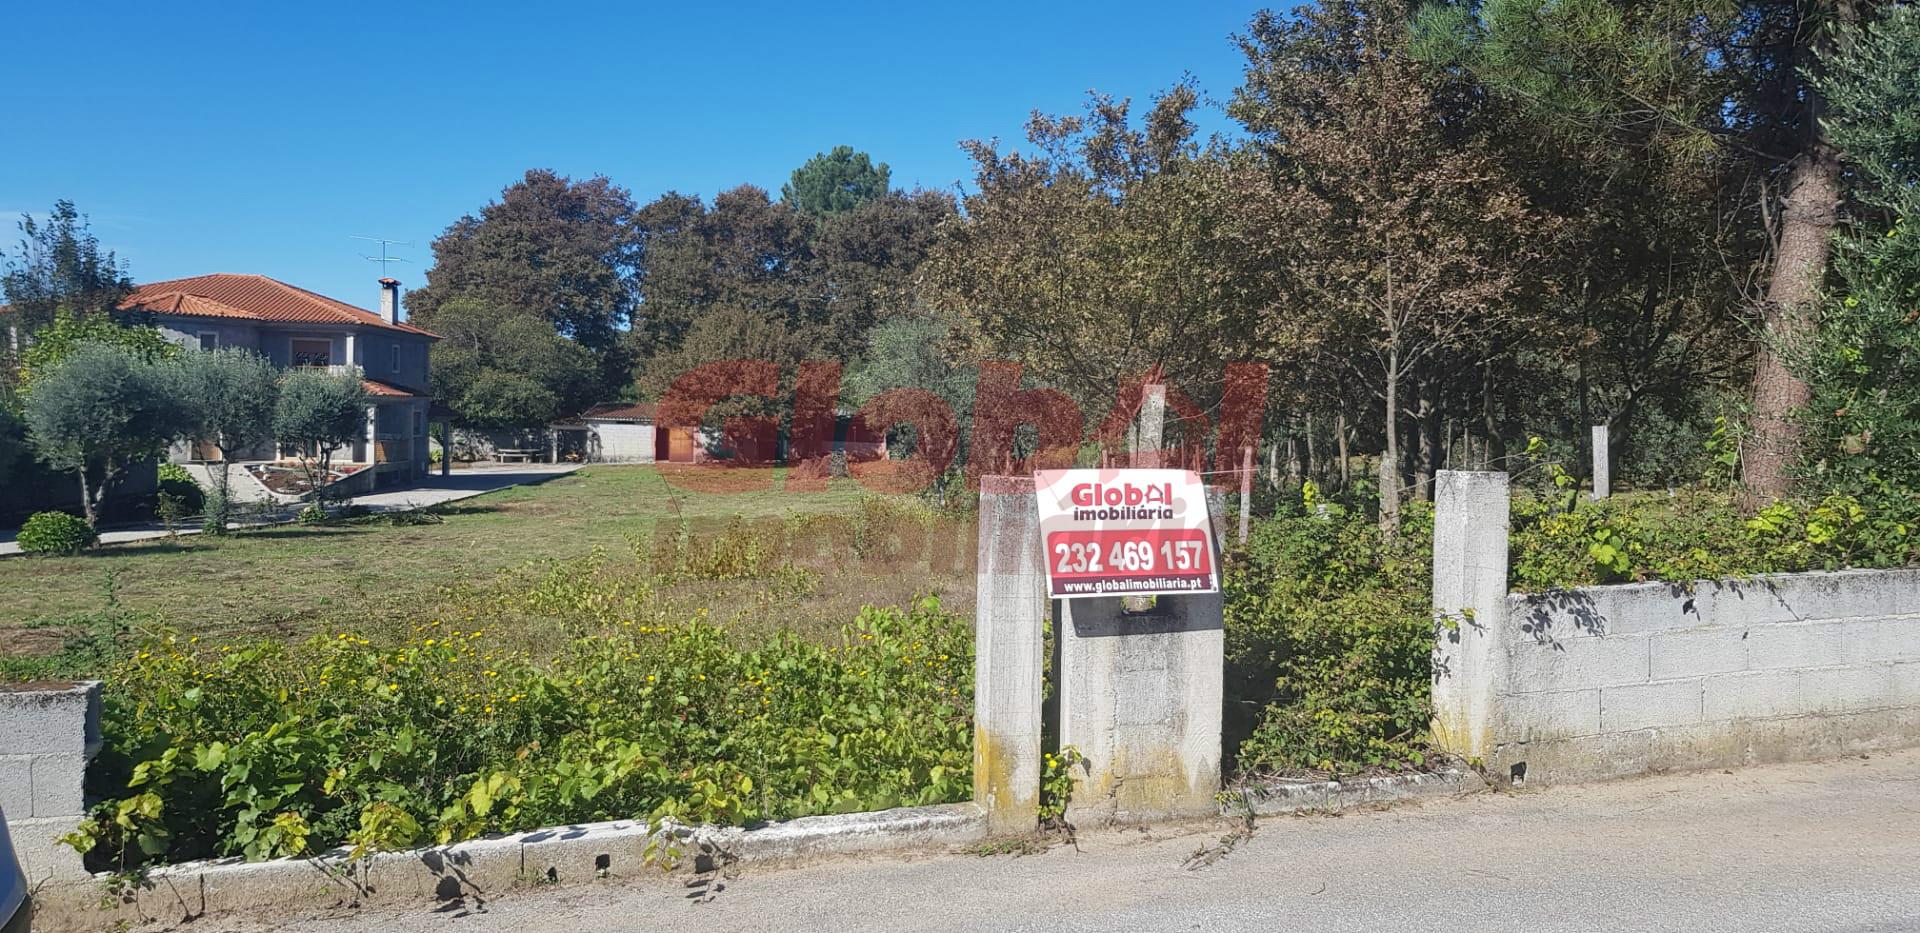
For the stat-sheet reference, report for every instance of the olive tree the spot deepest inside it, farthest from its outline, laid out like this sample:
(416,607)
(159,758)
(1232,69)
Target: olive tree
(229,395)
(101,410)
(316,412)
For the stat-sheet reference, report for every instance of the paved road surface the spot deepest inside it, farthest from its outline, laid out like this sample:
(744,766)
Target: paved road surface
(1825,846)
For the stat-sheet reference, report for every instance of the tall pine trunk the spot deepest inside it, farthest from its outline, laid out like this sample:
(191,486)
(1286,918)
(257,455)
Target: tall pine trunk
(1809,211)
(1808,215)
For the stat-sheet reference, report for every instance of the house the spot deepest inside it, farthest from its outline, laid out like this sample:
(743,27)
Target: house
(627,432)
(618,432)
(291,327)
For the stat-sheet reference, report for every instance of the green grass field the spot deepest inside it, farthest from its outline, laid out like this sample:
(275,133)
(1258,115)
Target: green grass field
(298,579)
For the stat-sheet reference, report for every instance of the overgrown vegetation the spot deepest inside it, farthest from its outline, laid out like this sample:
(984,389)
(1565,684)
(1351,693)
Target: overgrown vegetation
(1329,628)
(1698,535)
(266,749)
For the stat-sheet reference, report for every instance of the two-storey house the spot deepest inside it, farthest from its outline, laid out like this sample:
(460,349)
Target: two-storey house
(292,327)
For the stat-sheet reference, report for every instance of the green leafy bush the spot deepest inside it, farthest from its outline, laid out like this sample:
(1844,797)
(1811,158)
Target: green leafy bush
(187,497)
(266,749)
(174,473)
(1698,534)
(56,533)
(1329,638)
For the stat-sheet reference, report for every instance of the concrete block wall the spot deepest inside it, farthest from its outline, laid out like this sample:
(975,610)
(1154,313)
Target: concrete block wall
(48,733)
(1612,680)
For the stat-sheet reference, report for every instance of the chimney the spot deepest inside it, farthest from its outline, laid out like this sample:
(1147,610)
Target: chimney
(390,300)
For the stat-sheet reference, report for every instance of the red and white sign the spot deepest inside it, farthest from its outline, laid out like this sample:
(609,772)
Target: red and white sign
(1125,533)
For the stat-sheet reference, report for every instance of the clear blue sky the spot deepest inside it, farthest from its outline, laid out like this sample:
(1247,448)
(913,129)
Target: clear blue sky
(261,137)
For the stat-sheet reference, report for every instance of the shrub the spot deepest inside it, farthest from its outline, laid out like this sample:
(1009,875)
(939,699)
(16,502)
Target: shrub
(265,749)
(1698,535)
(1329,638)
(187,496)
(174,473)
(56,533)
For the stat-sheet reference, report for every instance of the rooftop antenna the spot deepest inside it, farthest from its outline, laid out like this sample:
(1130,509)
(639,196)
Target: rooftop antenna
(383,258)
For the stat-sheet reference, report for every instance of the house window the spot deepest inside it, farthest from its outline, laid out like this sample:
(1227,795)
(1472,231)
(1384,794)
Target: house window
(396,357)
(209,339)
(419,422)
(313,353)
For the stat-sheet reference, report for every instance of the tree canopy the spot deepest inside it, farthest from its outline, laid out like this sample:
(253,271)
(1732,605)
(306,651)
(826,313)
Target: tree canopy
(229,396)
(835,182)
(497,367)
(560,250)
(59,264)
(99,411)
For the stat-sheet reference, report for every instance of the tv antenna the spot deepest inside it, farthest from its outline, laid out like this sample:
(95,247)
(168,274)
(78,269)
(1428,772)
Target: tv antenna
(383,258)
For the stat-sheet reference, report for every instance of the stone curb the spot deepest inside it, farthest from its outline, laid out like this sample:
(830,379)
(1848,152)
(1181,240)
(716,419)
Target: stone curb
(1276,797)
(471,873)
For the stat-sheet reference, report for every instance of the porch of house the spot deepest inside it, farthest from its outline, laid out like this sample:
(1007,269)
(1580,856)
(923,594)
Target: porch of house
(392,450)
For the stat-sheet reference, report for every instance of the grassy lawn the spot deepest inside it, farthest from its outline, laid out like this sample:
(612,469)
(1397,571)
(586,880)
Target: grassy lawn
(299,579)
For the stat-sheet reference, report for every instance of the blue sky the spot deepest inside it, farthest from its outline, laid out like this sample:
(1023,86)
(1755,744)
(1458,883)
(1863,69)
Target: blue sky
(262,137)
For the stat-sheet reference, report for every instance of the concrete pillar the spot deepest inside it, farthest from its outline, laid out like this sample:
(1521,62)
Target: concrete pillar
(1602,463)
(1246,491)
(1011,608)
(1153,416)
(47,736)
(1470,605)
(1140,699)
(373,434)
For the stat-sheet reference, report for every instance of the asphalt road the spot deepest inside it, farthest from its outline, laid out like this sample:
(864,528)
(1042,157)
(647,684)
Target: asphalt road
(1824,846)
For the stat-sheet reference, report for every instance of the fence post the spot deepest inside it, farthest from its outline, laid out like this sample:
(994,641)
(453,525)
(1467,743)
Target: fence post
(1602,463)
(1470,607)
(1012,604)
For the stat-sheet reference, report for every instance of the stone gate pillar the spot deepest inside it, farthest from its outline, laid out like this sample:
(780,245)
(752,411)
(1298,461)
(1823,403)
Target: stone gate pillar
(1470,512)
(1140,699)
(1011,593)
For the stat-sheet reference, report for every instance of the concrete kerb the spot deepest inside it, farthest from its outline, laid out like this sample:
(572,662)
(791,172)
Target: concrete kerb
(479,870)
(1272,798)
(471,873)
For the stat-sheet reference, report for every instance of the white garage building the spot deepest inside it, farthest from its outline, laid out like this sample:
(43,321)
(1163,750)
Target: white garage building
(618,432)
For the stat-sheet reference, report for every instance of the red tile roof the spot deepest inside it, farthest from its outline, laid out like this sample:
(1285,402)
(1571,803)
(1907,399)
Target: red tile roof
(620,411)
(252,297)
(388,389)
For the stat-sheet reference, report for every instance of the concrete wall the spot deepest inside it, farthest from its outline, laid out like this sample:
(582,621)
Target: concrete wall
(1612,680)
(48,733)
(622,442)
(186,332)
(1623,679)
(375,349)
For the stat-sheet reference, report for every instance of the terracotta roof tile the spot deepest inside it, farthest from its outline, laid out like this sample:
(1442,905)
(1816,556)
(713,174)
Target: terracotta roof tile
(388,390)
(618,411)
(254,297)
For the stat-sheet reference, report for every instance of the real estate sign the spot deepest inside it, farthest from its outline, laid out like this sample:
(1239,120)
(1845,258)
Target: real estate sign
(1125,533)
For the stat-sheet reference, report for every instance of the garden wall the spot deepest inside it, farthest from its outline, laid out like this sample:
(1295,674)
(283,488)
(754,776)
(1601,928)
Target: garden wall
(1613,680)
(1622,679)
